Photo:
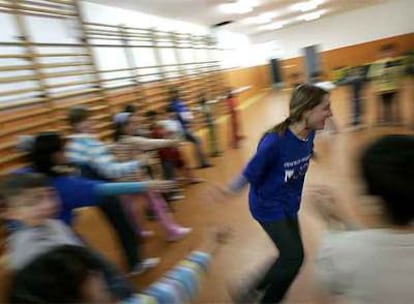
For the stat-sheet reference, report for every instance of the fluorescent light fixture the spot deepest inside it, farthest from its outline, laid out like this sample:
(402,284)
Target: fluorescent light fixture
(268,15)
(310,16)
(238,7)
(234,8)
(272,26)
(263,18)
(307,5)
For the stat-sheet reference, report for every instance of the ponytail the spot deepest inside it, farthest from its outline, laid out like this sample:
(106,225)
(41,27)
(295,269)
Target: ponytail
(281,127)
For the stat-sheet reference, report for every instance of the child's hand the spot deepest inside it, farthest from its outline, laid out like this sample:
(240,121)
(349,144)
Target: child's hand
(323,201)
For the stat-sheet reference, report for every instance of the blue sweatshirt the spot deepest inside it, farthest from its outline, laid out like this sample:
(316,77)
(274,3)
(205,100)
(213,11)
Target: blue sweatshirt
(276,174)
(76,192)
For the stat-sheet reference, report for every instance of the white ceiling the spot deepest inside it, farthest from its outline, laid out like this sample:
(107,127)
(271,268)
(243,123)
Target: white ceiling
(208,13)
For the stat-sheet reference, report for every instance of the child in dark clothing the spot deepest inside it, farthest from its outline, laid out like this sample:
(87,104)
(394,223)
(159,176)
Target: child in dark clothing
(356,80)
(185,117)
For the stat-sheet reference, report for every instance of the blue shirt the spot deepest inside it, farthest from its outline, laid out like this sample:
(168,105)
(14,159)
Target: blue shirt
(276,174)
(180,108)
(76,192)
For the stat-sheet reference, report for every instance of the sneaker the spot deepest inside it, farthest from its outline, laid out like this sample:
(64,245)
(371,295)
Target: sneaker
(178,234)
(144,265)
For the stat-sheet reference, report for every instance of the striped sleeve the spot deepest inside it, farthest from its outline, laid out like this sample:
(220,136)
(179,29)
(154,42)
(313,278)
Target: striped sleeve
(103,162)
(77,152)
(97,155)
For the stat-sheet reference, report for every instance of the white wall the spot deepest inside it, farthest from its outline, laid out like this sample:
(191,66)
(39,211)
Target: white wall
(392,18)
(115,16)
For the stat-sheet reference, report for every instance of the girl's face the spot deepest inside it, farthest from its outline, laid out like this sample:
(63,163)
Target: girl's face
(316,117)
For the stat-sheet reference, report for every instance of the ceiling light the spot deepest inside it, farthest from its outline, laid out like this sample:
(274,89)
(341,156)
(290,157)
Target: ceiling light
(238,7)
(268,15)
(307,5)
(251,20)
(272,26)
(234,8)
(260,19)
(310,16)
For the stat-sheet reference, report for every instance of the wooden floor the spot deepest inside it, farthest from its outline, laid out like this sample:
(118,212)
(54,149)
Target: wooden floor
(250,247)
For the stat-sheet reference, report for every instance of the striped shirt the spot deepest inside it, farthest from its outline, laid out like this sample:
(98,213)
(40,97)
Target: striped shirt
(179,285)
(86,149)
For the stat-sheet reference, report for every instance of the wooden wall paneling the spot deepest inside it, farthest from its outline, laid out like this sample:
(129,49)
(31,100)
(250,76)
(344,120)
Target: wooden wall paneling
(363,53)
(358,54)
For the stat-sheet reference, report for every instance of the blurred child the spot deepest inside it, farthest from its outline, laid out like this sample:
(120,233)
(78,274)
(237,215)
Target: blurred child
(69,274)
(205,108)
(386,75)
(171,157)
(373,265)
(90,154)
(185,117)
(356,80)
(235,136)
(129,147)
(30,200)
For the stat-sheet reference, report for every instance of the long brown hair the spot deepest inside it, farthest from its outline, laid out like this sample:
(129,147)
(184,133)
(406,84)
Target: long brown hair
(304,98)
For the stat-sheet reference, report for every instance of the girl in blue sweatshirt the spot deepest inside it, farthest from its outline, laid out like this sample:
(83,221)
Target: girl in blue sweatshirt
(276,175)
